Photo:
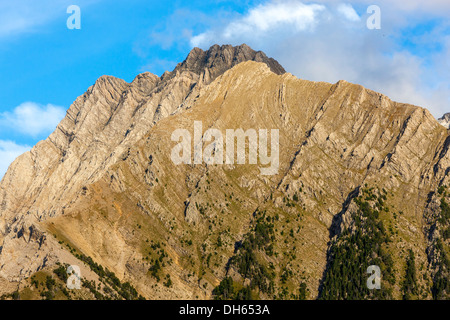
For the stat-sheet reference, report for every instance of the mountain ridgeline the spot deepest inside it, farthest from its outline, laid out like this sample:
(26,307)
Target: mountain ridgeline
(362,181)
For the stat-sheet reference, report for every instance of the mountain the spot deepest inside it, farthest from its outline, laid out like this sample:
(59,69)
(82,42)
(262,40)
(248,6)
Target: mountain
(361,180)
(445,120)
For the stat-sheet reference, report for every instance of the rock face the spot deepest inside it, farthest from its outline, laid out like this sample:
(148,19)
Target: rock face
(212,63)
(445,120)
(104,182)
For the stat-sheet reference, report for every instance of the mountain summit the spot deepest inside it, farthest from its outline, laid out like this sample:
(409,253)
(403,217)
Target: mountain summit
(445,120)
(362,181)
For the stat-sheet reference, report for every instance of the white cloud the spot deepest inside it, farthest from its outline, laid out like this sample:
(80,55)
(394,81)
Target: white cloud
(33,119)
(9,151)
(23,16)
(348,12)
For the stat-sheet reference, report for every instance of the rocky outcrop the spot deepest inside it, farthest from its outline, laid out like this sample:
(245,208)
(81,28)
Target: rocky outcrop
(445,120)
(99,129)
(105,183)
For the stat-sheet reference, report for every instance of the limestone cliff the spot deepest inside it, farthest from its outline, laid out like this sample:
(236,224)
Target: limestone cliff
(104,184)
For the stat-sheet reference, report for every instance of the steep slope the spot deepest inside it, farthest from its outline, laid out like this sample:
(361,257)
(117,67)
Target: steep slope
(97,131)
(349,159)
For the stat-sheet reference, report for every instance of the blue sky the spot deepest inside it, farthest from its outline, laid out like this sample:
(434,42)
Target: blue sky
(44,66)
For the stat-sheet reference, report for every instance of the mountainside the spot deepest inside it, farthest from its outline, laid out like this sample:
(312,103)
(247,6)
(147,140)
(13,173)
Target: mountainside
(445,120)
(361,181)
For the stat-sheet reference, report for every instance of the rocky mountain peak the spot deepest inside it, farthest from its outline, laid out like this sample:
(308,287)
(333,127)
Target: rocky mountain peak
(445,120)
(352,165)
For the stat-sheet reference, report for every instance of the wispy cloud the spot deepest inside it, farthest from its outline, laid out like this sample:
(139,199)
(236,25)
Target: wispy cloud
(438,7)
(9,151)
(158,64)
(32,119)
